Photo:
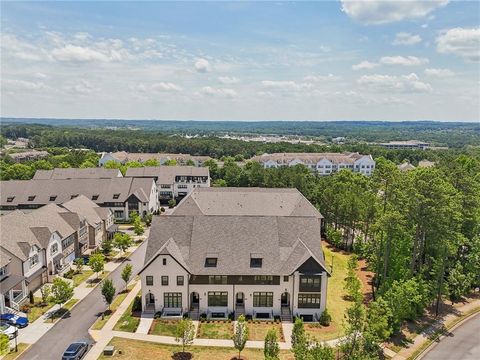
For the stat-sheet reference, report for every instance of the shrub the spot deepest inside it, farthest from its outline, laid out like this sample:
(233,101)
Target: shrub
(203,317)
(31,298)
(162,209)
(248,317)
(69,274)
(231,316)
(157,315)
(172,203)
(325,318)
(137,304)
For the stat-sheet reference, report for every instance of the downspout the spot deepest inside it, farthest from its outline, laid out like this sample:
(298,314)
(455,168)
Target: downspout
(293,294)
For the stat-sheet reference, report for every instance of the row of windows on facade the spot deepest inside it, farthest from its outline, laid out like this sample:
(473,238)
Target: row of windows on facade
(254,262)
(54,197)
(260,299)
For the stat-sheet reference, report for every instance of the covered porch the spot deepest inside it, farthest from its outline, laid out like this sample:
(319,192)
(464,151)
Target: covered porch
(13,290)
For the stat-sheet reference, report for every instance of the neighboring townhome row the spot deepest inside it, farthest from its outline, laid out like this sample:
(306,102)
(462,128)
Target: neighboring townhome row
(121,195)
(245,251)
(77,173)
(173,182)
(322,163)
(122,157)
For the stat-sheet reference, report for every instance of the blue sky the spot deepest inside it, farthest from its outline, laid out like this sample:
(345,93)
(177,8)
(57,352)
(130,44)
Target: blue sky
(324,60)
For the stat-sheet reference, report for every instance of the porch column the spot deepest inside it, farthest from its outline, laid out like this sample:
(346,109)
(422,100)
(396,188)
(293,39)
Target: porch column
(24,288)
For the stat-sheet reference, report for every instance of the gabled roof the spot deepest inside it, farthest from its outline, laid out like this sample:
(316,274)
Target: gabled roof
(77,173)
(309,158)
(85,207)
(246,201)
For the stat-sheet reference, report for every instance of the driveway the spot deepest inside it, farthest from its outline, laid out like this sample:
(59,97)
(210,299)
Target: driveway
(462,344)
(75,326)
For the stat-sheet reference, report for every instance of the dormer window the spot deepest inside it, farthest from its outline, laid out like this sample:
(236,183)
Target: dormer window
(256,260)
(211,262)
(10,199)
(31,197)
(116,196)
(73,196)
(95,197)
(53,197)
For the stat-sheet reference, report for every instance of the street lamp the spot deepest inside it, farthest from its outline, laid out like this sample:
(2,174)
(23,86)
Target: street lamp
(16,335)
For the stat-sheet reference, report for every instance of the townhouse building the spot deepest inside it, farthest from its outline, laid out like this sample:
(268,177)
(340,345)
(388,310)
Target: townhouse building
(321,163)
(122,157)
(173,182)
(121,195)
(28,155)
(252,251)
(77,173)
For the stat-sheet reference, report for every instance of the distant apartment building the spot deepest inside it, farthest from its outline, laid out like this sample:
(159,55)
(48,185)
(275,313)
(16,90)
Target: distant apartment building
(121,195)
(409,144)
(251,251)
(28,155)
(122,157)
(173,182)
(77,173)
(321,163)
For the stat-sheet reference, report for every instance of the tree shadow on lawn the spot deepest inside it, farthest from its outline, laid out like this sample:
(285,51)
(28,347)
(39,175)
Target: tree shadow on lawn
(182,356)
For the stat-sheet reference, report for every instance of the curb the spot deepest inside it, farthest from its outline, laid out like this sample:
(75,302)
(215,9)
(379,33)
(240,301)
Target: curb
(438,338)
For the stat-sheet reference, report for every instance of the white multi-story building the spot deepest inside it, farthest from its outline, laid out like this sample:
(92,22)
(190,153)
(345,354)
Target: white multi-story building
(122,157)
(321,163)
(409,144)
(237,251)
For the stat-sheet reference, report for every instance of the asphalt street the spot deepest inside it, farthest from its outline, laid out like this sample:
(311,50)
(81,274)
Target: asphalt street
(462,344)
(75,326)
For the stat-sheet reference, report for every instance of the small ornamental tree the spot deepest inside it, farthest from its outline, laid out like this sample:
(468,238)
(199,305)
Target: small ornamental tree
(122,241)
(4,344)
(298,332)
(271,349)
(79,264)
(127,274)
(45,291)
(97,263)
(137,226)
(241,335)
(107,246)
(185,332)
(108,291)
(62,291)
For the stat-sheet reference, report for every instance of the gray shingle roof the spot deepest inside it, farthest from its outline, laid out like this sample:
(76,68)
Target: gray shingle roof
(85,207)
(77,173)
(246,201)
(64,189)
(166,174)
(309,158)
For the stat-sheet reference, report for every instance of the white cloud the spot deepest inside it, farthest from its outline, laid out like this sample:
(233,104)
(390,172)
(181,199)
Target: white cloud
(13,84)
(319,78)
(374,12)
(165,86)
(403,60)
(439,72)
(404,38)
(83,87)
(202,65)
(404,83)
(73,53)
(218,92)
(286,85)
(228,80)
(461,42)
(12,46)
(365,65)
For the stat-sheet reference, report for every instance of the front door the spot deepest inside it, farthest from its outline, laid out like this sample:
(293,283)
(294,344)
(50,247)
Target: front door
(195,298)
(285,299)
(150,299)
(239,298)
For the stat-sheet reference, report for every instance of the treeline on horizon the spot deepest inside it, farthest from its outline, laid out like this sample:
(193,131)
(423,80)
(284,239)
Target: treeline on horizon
(453,134)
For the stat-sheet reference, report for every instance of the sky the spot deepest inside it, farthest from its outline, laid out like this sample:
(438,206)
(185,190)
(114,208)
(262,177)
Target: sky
(319,60)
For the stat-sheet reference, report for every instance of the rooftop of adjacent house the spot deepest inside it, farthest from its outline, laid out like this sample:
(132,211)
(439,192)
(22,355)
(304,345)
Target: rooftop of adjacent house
(20,155)
(58,191)
(85,207)
(405,166)
(246,201)
(347,158)
(77,173)
(125,156)
(4,258)
(167,174)
(283,243)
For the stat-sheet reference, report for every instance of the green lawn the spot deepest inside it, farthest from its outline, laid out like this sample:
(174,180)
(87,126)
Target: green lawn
(163,327)
(95,280)
(257,330)
(36,310)
(13,355)
(127,321)
(100,323)
(65,309)
(134,350)
(215,330)
(81,277)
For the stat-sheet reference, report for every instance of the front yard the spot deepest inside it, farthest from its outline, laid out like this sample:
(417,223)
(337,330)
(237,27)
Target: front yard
(81,277)
(61,312)
(129,321)
(163,327)
(215,330)
(134,350)
(37,309)
(257,330)
(100,323)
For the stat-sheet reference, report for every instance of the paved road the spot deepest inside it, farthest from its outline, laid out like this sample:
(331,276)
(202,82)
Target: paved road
(462,344)
(75,327)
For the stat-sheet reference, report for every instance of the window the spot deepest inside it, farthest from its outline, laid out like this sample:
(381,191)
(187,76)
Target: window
(256,262)
(217,298)
(164,280)
(263,279)
(309,301)
(34,260)
(164,261)
(217,279)
(67,242)
(118,213)
(310,283)
(182,186)
(95,197)
(285,278)
(31,198)
(116,196)
(262,299)
(172,300)
(180,280)
(54,249)
(165,186)
(149,280)
(53,197)
(3,271)
(210,262)
(73,196)
(10,199)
